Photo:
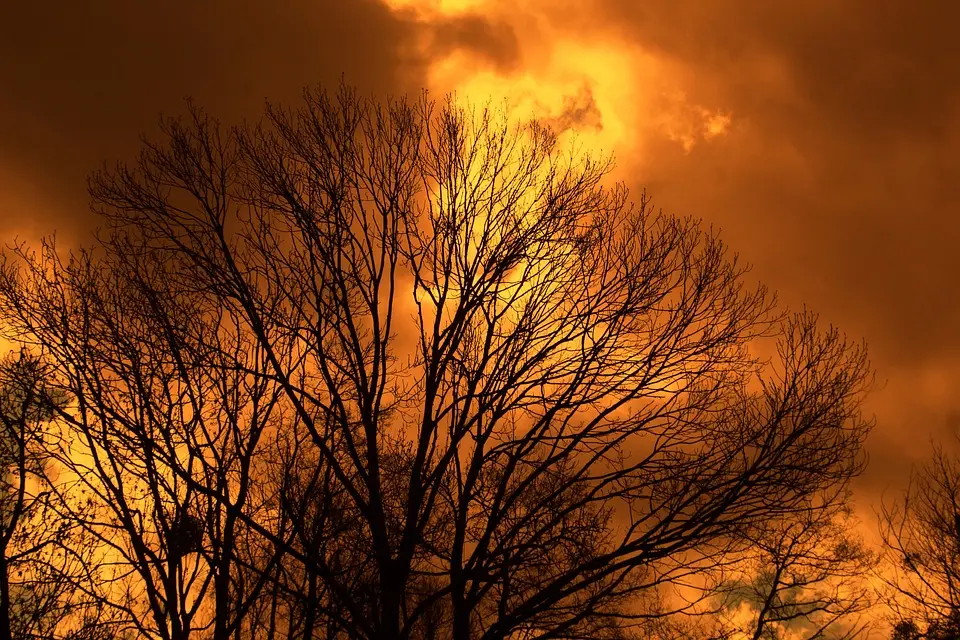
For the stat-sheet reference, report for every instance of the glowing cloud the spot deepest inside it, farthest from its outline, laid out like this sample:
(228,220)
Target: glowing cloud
(613,95)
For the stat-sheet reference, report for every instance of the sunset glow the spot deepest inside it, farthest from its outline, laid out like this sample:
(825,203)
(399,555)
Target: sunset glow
(817,140)
(612,95)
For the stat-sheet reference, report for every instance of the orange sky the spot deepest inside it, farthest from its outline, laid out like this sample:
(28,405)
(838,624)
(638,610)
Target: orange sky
(821,136)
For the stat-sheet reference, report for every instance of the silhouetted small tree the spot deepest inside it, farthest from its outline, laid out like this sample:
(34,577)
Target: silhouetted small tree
(158,442)
(806,578)
(42,555)
(921,536)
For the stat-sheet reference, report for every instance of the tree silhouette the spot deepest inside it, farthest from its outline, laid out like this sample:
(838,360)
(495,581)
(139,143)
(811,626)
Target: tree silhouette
(922,551)
(418,373)
(159,449)
(805,579)
(42,556)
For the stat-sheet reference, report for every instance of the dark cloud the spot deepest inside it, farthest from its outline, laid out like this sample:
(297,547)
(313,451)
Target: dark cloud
(579,111)
(494,41)
(838,176)
(80,80)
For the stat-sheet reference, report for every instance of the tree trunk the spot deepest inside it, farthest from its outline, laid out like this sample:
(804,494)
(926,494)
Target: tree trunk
(461,623)
(5,631)
(390,596)
(221,586)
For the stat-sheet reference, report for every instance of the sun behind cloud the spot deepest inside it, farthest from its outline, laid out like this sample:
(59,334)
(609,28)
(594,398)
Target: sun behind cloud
(612,95)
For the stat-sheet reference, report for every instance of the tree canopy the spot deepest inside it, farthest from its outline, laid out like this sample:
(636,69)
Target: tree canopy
(408,369)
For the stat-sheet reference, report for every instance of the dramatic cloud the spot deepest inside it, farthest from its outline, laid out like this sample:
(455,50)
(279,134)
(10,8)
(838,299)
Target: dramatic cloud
(822,136)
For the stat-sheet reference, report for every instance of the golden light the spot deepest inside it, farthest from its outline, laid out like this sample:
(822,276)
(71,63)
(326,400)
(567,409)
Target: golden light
(613,96)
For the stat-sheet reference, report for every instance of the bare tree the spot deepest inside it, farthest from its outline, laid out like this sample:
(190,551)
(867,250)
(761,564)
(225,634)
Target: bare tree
(921,536)
(42,556)
(26,407)
(163,408)
(806,578)
(534,408)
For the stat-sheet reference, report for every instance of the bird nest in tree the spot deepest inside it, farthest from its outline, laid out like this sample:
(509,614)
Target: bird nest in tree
(186,536)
